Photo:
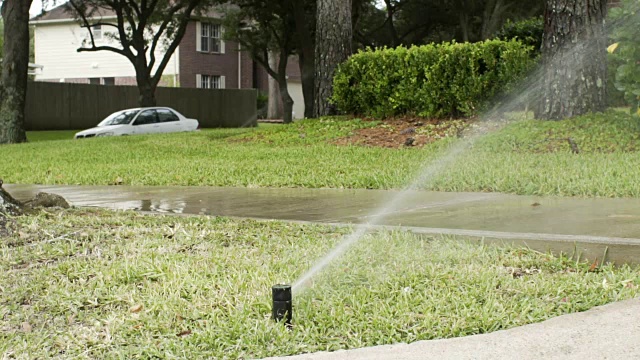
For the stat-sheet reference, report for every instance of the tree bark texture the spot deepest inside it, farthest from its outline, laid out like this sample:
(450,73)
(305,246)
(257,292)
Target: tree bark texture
(306,56)
(15,67)
(146,88)
(574,59)
(274,105)
(333,46)
(287,101)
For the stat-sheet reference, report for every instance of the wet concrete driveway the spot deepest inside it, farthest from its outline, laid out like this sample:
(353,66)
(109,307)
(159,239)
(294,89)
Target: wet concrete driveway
(591,228)
(471,211)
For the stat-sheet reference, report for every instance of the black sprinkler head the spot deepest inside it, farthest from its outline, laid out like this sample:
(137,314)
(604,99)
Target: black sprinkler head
(282,303)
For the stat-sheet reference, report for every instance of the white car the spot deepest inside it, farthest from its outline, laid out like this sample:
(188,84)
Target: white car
(151,120)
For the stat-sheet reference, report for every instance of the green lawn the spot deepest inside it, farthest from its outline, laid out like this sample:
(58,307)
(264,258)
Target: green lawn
(527,157)
(117,285)
(37,136)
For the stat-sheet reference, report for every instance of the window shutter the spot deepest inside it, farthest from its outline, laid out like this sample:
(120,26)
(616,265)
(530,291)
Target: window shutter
(198,36)
(198,81)
(221,39)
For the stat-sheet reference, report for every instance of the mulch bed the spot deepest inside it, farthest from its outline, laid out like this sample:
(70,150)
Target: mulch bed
(405,132)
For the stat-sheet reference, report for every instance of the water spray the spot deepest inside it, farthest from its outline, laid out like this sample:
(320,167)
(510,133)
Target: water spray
(282,304)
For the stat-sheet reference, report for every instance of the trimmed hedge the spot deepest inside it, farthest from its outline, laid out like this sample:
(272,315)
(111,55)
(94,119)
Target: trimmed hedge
(444,80)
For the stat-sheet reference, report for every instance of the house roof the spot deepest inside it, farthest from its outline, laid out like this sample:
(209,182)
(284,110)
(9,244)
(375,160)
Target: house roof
(65,12)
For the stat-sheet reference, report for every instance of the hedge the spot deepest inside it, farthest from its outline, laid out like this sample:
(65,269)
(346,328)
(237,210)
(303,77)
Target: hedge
(444,80)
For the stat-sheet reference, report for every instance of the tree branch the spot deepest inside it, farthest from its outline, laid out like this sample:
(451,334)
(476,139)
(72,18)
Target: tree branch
(100,23)
(136,9)
(186,16)
(124,40)
(264,61)
(101,48)
(156,38)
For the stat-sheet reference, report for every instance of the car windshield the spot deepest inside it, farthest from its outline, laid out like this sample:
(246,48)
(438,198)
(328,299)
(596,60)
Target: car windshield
(119,118)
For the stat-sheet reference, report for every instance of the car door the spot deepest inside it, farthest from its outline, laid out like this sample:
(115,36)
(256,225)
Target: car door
(147,122)
(169,121)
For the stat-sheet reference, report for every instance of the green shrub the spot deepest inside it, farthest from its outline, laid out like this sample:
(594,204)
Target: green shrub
(528,32)
(444,80)
(626,53)
(615,97)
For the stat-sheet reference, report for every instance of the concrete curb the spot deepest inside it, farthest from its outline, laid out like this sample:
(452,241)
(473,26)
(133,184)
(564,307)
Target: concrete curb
(605,332)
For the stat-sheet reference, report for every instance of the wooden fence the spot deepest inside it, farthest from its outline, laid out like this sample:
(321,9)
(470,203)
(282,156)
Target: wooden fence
(63,106)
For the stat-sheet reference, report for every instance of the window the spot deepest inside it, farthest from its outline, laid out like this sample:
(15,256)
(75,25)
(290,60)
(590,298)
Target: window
(146,117)
(210,82)
(210,38)
(166,115)
(94,81)
(97,32)
(119,118)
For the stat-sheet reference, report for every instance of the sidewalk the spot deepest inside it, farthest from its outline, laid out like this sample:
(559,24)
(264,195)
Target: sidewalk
(590,227)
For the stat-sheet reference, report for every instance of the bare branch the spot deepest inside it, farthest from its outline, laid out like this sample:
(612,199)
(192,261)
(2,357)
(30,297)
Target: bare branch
(101,24)
(264,61)
(136,9)
(186,16)
(124,40)
(103,48)
(156,38)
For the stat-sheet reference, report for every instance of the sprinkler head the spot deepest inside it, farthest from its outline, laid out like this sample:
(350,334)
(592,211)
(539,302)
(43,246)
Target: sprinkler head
(282,303)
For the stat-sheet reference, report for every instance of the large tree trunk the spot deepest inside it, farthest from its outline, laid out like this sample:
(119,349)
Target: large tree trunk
(274,105)
(574,59)
(306,56)
(308,72)
(146,87)
(333,46)
(15,68)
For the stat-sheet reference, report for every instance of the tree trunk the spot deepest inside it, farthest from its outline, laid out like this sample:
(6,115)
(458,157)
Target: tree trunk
(274,106)
(15,68)
(308,72)
(492,17)
(287,101)
(464,26)
(574,59)
(306,56)
(333,46)
(146,88)
(395,40)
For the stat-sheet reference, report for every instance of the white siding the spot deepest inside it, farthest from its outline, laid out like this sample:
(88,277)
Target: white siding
(56,49)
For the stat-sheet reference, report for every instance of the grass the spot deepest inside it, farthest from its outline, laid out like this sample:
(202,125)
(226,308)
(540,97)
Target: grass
(89,284)
(37,136)
(527,157)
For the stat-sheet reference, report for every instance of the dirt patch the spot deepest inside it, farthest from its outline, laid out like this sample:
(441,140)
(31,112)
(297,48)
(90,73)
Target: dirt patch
(406,132)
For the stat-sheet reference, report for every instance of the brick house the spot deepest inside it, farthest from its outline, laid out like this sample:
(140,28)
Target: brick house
(202,60)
